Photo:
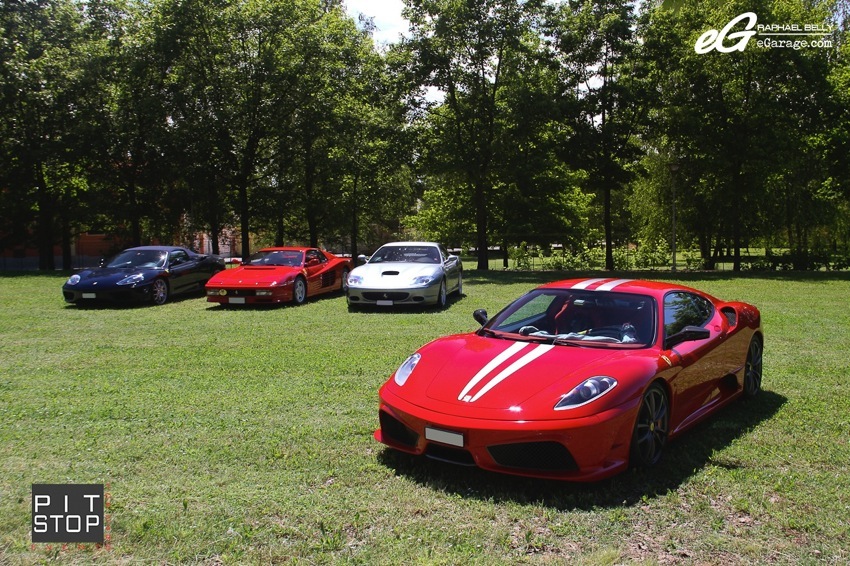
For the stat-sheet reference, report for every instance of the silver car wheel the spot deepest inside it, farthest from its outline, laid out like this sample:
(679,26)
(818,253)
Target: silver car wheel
(160,292)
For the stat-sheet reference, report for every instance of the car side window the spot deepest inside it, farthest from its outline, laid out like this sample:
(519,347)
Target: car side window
(683,309)
(178,257)
(315,257)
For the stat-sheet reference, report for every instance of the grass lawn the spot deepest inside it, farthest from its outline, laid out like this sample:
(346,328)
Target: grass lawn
(245,436)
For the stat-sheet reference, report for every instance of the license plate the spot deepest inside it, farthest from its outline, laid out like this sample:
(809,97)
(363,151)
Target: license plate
(236,300)
(444,436)
(384,303)
(89,295)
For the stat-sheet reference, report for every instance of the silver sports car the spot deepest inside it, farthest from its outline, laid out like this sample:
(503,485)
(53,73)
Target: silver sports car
(406,273)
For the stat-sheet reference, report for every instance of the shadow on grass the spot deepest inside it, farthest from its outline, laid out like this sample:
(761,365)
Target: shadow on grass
(92,304)
(452,300)
(330,295)
(682,458)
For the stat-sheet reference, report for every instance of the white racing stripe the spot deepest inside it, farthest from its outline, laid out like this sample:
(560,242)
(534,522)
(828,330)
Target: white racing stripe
(587,283)
(538,351)
(491,365)
(611,284)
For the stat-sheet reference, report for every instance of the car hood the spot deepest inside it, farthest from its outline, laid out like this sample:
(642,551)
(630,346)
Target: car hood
(470,375)
(107,276)
(254,276)
(391,275)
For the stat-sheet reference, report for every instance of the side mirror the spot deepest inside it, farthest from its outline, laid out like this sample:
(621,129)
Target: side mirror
(687,334)
(361,259)
(312,261)
(452,259)
(480,316)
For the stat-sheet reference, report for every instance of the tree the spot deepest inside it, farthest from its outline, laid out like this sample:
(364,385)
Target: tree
(595,46)
(463,49)
(40,60)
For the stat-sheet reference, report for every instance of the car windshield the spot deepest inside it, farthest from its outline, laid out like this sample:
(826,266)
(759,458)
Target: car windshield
(577,317)
(282,258)
(406,254)
(139,258)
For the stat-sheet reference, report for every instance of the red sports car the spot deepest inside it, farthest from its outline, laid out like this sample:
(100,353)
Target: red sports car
(575,380)
(277,275)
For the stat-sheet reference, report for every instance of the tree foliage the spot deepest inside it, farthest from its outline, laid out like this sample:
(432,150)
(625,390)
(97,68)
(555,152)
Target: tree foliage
(494,122)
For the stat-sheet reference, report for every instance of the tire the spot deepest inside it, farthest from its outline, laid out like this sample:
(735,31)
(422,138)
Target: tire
(753,368)
(159,292)
(442,297)
(299,291)
(460,284)
(343,284)
(651,428)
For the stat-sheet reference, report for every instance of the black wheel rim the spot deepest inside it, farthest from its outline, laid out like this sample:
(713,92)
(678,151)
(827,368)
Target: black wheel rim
(752,376)
(651,427)
(344,285)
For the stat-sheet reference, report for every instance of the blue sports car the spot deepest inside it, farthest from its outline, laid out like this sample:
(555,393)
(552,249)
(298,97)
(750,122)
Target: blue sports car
(147,274)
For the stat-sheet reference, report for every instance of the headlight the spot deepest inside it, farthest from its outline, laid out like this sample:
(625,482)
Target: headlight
(74,279)
(132,279)
(355,280)
(404,371)
(589,390)
(424,279)
(213,291)
(264,293)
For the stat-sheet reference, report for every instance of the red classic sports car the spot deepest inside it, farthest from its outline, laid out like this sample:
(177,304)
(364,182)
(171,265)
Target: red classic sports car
(277,275)
(574,380)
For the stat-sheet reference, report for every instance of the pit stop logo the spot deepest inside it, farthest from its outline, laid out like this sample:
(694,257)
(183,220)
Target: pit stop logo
(67,513)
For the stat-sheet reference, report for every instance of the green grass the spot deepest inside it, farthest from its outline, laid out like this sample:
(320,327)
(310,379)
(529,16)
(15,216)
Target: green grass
(244,436)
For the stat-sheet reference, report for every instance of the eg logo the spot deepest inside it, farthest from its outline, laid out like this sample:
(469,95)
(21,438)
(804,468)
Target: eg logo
(712,39)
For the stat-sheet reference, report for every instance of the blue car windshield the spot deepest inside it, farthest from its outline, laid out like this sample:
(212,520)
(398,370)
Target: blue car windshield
(139,258)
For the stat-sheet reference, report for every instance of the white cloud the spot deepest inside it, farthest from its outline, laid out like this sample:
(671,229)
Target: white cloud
(387,14)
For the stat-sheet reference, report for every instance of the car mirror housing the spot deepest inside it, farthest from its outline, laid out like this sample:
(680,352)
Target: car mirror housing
(687,334)
(480,316)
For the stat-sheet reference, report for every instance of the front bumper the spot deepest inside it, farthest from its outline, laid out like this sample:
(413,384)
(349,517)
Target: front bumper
(581,449)
(249,296)
(116,294)
(388,297)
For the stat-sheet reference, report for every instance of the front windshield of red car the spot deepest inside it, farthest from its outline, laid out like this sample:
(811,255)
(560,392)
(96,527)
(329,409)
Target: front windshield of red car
(578,317)
(406,254)
(139,258)
(277,258)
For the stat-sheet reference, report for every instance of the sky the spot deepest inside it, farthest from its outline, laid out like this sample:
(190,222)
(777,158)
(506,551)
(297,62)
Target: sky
(387,14)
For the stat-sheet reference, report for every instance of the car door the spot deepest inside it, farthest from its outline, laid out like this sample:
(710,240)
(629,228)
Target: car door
(319,278)
(451,267)
(696,386)
(182,270)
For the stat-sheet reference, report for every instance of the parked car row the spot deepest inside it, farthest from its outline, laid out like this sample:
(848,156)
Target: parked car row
(575,380)
(398,273)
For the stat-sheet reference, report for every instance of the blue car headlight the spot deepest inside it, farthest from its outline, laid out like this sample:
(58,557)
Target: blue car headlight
(73,280)
(406,368)
(132,279)
(355,280)
(589,390)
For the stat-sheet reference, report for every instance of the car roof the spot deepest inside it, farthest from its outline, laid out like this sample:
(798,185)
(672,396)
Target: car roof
(411,244)
(286,249)
(620,285)
(158,248)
